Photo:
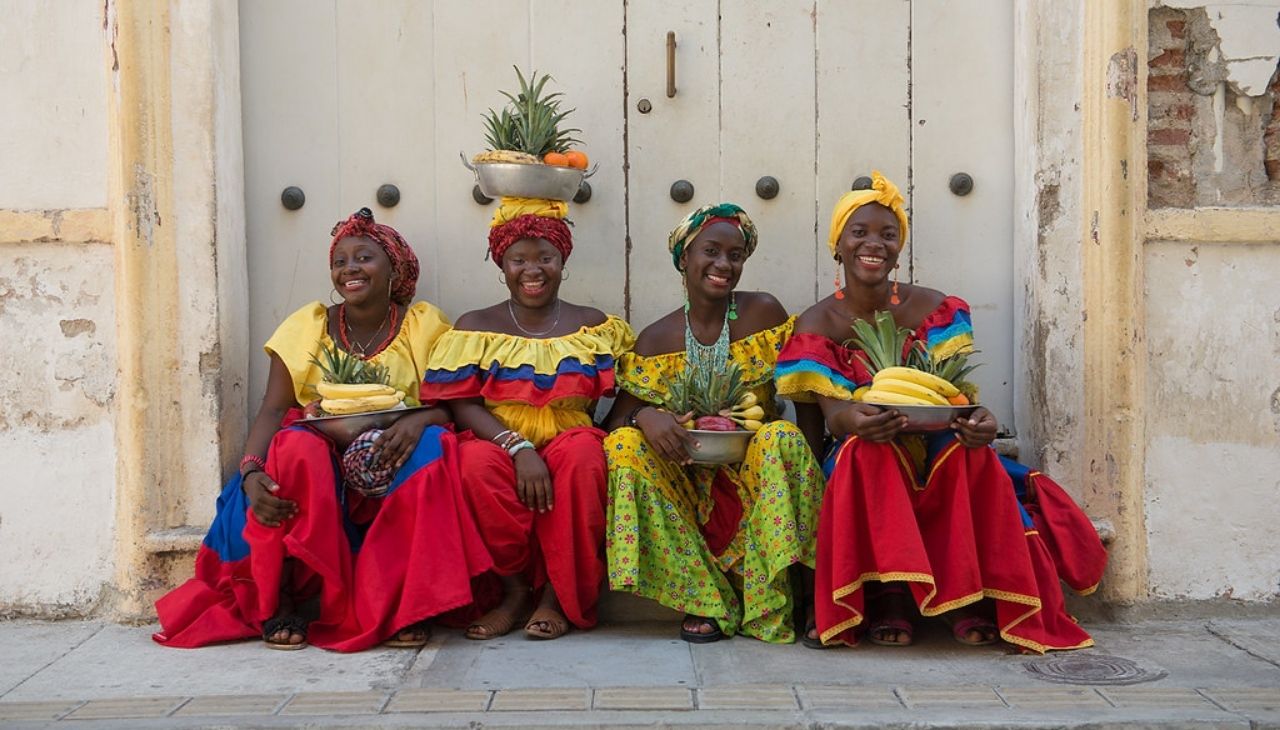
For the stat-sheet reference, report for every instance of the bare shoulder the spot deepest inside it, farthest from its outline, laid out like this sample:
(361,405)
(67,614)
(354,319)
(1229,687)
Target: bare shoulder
(479,320)
(585,316)
(761,309)
(663,336)
(930,298)
(823,318)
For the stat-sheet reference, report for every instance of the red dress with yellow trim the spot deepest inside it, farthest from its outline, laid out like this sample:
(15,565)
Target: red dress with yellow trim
(944,519)
(374,565)
(545,389)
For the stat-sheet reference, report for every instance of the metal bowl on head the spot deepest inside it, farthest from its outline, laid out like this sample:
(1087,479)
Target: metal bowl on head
(720,447)
(342,430)
(553,182)
(927,419)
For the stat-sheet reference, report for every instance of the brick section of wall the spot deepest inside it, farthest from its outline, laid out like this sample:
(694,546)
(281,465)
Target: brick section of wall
(1171,112)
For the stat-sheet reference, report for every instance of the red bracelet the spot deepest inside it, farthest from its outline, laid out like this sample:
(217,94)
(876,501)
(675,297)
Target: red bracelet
(251,459)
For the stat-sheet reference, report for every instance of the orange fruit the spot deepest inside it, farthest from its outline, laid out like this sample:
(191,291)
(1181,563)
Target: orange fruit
(577,159)
(556,158)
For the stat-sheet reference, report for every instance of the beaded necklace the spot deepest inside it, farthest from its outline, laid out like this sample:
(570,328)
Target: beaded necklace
(714,356)
(362,351)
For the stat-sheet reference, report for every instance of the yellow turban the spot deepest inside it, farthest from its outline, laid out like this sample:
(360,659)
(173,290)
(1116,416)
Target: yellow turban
(511,208)
(883,192)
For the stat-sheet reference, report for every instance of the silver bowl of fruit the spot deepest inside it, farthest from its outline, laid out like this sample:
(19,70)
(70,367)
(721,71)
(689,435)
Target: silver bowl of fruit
(534,180)
(927,419)
(720,447)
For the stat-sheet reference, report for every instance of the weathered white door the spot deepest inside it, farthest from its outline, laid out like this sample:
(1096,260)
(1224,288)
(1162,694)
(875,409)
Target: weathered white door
(343,97)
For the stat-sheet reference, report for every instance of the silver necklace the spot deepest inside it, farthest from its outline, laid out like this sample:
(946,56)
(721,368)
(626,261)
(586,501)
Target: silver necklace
(511,309)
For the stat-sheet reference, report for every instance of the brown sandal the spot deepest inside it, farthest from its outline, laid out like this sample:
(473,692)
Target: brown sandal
(557,624)
(493,624)
(421,629)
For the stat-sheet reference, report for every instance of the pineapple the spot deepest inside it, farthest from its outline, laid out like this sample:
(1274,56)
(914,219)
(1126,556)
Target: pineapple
(928,381)
(719,401)
(528,127)
(351,385)
(339,366)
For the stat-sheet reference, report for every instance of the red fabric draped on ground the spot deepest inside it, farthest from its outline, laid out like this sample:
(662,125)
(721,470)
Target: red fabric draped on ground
(1071,540)
(562,545)
(954,542)
(415,561)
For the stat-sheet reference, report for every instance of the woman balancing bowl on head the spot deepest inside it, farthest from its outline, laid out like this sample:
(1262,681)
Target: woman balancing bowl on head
(714,542)
(523,376)
(922,524)
(287,530)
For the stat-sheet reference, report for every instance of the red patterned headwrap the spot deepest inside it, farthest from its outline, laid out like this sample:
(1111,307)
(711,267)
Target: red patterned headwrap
(404,262)
(553,230)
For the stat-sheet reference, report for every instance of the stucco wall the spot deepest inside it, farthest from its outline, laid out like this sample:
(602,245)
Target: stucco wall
(1213,420)
(56,408)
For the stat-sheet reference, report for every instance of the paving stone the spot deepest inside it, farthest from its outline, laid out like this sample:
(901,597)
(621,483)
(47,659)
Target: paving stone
(1163,697)
(127,708)
(434,699)
(643,698)
(541,699)
(335,703)
(824,697)
(964,696)
(231,705)
(1247,698)
(1053,698)
(747,697)
(35,710)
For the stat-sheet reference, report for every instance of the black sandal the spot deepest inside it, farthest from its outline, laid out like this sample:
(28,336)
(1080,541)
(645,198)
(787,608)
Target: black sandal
(813,642)
(694,637)
(292,623)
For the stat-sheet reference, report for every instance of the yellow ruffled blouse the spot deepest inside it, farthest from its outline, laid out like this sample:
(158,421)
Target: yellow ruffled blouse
(301,336)
(539,387)
(648,377)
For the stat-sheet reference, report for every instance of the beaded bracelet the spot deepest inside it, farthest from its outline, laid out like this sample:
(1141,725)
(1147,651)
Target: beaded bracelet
(524,444)
(502,434)
(260,462)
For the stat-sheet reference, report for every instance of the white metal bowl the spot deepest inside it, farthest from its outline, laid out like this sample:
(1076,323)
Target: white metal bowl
(342,430)
(925,419)
(720,447)
(498,179)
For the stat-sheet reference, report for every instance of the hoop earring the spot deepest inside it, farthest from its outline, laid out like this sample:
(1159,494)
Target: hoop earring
(331,293)
(894,299)
(564,274)
(502,279)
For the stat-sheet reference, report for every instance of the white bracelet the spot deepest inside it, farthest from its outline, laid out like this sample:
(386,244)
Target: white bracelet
(525,444)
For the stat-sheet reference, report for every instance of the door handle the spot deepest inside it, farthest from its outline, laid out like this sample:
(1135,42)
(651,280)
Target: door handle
(671,64)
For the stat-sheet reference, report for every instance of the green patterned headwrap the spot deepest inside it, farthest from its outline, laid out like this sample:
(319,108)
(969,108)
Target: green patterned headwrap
(693,224)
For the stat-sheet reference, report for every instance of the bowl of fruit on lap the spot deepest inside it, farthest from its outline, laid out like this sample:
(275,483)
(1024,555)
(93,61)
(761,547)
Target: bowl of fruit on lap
(530,154)
(353,397)
(931,393)
(726,414)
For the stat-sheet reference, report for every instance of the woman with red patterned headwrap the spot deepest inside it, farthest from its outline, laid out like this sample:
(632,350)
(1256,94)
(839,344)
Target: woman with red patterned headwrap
(523,377)
(291,527)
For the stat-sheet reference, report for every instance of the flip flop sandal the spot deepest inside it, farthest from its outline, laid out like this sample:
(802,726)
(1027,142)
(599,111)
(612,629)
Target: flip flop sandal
(556,623)
(900,625)
(961,628)
(494,623)
(694,637)
(813,642)
(293,624)
(419,628)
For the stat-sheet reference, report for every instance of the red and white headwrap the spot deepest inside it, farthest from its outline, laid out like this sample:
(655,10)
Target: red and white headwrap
(519,218)
(404,262)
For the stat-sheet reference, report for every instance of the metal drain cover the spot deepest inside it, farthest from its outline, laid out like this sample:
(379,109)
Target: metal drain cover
(1088,668)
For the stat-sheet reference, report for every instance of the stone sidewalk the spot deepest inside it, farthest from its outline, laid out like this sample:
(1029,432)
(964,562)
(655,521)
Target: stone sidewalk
(1212,672)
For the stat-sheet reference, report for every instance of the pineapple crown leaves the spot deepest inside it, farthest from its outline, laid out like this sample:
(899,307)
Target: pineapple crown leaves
(705,391)
(530,122)
(339,366)
(881,344)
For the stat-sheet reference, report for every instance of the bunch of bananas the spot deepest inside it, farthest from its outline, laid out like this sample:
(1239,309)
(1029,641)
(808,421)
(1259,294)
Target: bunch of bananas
(747,412)
(903,386)
(513,156)
(339,399)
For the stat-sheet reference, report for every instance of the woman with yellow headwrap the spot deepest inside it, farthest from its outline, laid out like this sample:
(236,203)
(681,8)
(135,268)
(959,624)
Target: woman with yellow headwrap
(523,376)
(712,542)
(924,524)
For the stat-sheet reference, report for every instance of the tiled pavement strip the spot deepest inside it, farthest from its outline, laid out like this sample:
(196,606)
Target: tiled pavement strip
(789,705)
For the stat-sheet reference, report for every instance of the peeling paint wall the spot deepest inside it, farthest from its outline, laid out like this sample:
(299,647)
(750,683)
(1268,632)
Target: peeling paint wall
(1213,420)
(56,423)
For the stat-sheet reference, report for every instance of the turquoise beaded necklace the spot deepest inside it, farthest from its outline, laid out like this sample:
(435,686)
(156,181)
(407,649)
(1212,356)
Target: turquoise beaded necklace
(714,356)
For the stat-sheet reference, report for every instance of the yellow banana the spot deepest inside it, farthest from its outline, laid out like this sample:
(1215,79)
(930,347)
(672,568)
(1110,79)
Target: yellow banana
(520,158)
(861,393)
(886,398)
(343,390)
(747,400)
(919,377)
(751,424)
(902,387)
(754,413)
(348,406)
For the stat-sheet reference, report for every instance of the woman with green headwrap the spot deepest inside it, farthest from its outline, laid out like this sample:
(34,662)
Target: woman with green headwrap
(714,542)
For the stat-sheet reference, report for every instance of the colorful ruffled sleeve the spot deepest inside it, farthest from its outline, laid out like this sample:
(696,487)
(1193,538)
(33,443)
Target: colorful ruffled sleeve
(812,365)
(948,329)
